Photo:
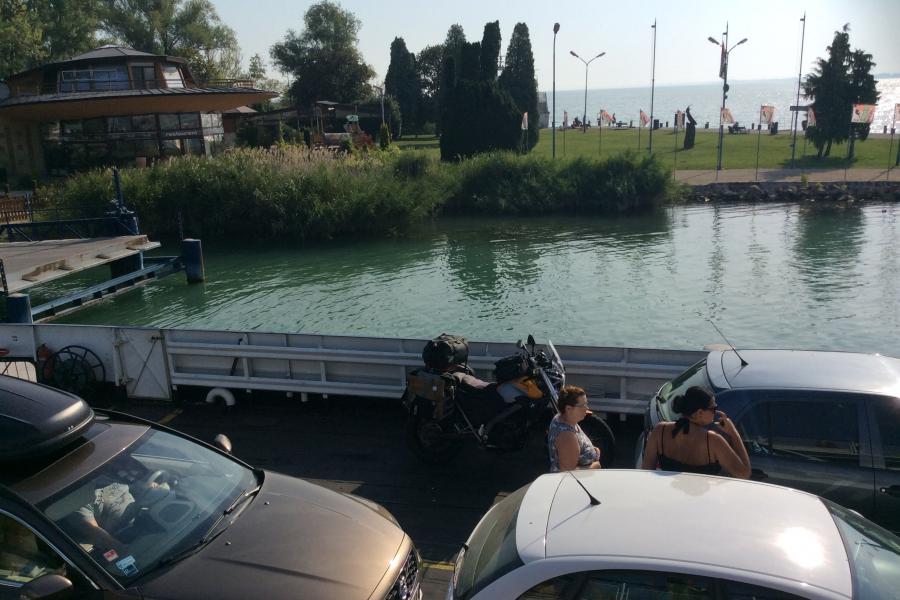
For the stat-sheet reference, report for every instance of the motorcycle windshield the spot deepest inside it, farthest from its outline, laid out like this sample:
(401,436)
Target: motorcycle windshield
(557,361)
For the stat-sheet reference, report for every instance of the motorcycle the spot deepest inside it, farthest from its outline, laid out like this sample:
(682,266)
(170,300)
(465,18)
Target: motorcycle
(448,405)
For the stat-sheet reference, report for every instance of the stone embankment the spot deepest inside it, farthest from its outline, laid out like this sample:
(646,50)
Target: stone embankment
(849,191)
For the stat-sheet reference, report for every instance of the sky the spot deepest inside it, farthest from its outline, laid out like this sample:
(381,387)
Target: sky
(622,30)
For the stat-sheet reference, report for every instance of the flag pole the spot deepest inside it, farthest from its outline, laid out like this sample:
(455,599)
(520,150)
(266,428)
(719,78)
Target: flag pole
(758,138)
(652,88)
(639,132)
(675,152)
(600,123)
(799,79)
(891,149)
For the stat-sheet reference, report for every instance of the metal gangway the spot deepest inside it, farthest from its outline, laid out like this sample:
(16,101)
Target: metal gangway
(152,363)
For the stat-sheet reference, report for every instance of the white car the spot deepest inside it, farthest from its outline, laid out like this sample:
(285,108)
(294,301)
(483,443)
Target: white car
(635,535)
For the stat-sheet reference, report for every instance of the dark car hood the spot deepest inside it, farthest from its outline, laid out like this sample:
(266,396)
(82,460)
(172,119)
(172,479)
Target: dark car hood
(295,540)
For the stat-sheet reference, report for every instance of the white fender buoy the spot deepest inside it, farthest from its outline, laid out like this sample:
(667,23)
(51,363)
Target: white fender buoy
(222,394)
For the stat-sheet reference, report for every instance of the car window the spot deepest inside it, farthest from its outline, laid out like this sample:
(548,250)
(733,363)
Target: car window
(158,496)
(887,417)
(694,375)
(753,426)
(23,555)
(553,589)
(644,585)
(736,590)
(873,552)
(815,430)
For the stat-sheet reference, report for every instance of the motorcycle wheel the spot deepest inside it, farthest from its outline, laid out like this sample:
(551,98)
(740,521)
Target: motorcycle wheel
(602,437)
(427,440)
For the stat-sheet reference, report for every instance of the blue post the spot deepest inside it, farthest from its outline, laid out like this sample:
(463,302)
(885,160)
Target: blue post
(192,255)
(18,308)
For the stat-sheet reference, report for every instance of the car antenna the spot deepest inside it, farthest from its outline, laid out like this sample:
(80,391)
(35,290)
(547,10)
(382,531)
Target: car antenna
(594,501)
(744,363)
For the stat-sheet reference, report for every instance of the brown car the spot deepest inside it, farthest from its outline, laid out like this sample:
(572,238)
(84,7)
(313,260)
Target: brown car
(101,504)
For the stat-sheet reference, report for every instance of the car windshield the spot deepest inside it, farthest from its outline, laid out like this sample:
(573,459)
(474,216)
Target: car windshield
(695,375)
(874,554)
(492,548)
(157,498)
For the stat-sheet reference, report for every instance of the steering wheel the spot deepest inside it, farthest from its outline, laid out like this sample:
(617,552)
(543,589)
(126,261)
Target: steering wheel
(151,494)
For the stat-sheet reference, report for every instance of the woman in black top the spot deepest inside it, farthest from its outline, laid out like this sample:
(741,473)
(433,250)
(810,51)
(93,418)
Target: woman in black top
(687,445)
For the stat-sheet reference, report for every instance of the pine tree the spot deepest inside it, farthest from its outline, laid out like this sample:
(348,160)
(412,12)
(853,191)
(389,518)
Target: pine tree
(518,79)
(490,51)
(451,60)
(401,81)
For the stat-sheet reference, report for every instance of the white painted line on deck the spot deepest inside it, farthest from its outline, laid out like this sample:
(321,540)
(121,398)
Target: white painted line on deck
(169,417)
(443,566)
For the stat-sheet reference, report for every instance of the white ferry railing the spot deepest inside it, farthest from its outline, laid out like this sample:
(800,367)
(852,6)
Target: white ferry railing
(149,363)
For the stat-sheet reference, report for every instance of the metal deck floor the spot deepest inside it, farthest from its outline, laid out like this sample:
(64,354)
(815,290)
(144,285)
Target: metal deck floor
(32,263)
(357,445)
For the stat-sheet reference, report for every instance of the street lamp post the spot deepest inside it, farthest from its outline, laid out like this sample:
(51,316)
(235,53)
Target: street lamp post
(555,31)
(726,52)
(586,64)
(380,89)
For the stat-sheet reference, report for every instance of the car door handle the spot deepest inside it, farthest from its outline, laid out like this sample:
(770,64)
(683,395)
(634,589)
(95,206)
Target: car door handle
(893,490)
(758,474)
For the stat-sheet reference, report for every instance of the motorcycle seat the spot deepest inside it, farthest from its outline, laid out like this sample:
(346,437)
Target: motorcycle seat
(471,384)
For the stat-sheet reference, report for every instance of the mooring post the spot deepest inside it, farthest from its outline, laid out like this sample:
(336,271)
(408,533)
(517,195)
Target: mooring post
(18,308)
(192,255)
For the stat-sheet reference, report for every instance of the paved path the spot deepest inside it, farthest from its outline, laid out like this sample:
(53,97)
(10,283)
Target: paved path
(786,175)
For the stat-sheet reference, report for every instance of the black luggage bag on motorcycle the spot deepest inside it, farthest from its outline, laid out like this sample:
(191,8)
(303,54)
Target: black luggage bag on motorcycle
(445,351)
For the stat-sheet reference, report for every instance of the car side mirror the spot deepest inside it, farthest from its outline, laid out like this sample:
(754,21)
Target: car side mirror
(47,587)
(222,442)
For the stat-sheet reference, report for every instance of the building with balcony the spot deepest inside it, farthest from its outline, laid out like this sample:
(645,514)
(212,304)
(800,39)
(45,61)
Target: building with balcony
(111,106)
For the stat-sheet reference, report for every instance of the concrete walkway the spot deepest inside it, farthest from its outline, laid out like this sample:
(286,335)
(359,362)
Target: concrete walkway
(786,175)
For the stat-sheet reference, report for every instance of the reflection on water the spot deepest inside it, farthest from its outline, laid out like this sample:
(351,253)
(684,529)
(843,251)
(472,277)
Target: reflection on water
(768,275)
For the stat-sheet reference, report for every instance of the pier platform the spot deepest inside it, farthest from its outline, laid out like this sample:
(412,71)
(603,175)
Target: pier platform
(32,263)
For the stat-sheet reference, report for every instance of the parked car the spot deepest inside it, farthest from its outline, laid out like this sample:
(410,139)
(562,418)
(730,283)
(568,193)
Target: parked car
(823,422)
(630,534)
(102,504)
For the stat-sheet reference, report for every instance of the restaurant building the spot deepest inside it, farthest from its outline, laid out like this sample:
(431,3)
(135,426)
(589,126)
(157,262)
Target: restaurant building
(112,106)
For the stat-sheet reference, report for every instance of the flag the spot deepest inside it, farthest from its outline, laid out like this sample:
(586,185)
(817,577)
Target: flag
(525,121)
(565,119)
(679,119)
(605,117)
(644,119)
(863,113)
(810,117)
(722,61)
(766,114)
(727,117)
(896,113)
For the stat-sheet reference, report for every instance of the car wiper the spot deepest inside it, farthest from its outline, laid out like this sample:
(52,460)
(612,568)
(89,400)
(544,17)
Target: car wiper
(211,533)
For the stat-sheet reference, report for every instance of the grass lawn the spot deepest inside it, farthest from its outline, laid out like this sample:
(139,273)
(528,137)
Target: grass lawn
(739,152)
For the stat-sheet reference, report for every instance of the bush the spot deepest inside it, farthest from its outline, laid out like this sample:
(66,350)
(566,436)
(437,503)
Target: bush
(384,136)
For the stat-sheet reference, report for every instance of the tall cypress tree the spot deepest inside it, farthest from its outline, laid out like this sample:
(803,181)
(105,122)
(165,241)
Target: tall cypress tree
(518,79)
(450,64)
(490,51)
(401,81)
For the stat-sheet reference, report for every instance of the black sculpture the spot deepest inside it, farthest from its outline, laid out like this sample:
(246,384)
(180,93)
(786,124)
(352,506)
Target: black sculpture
(690,131)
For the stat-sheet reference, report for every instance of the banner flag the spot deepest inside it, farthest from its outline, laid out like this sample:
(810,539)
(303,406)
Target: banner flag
(863,113)
(727,117)
(525,121)
(679,119)
(644,119)
(606,117)
(722,62)
(767,113)
(896,113)
(565,119)
(810,117)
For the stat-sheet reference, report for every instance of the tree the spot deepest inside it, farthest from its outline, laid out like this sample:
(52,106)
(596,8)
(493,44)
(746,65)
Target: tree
(451,59)
(401,81)
(835,85)
(323,58)
(481,117)
(20,38)
(428,71)
(70,27)
(490,50)
(518,79)
(190,29)
(257,68)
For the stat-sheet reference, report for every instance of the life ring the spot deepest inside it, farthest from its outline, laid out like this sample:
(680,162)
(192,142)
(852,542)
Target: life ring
(220,394)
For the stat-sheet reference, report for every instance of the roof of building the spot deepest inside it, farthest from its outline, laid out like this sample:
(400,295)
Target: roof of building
(111,51)
(724,523)
(804,369)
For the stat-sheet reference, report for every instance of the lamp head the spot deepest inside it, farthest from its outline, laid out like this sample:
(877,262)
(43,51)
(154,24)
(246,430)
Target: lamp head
(713,40)
(599,55)
(741,42)
(555,28)
(572,52)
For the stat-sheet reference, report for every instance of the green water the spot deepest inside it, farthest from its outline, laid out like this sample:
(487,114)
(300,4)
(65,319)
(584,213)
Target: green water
(769,275)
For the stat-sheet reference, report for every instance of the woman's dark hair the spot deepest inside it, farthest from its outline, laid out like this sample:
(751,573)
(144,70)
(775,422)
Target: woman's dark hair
(568,396)
(694,399)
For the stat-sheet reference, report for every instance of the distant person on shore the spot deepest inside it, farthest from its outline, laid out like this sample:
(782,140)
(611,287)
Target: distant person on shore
(570,448)
(688,446)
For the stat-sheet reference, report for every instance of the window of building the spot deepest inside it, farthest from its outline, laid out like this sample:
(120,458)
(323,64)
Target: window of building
(193,146)
(118,124)
(146,148)
(211,120)
(71,128)
(169,122)
(214,144)
(94,127)
(171,147)
(172,76)
(143,122)
(143,76)
(93,79)
(190,121)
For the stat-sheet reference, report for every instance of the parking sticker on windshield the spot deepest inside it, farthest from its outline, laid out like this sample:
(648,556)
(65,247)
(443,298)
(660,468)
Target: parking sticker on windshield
(110,555)
(127,566)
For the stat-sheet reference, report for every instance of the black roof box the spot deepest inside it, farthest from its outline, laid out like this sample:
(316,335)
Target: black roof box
(36,419)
